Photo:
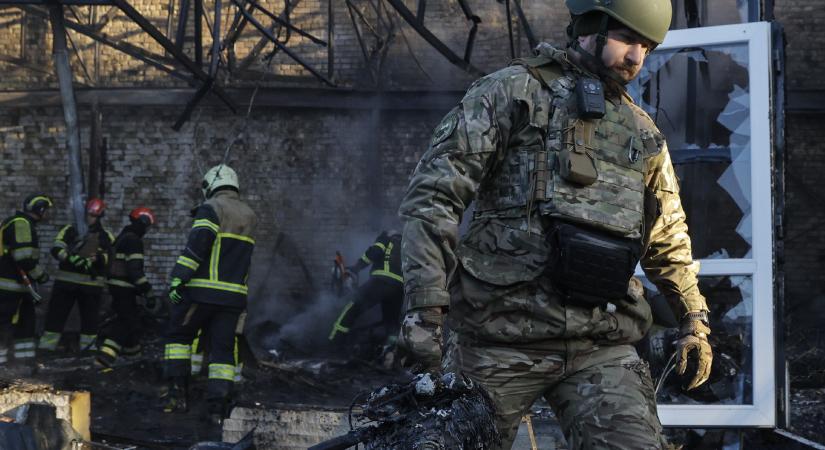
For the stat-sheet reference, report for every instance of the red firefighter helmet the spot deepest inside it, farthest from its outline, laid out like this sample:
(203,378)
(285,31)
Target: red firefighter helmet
(142,214)
(95,207)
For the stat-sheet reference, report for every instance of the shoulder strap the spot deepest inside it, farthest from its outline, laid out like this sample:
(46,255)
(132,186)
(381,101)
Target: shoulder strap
(542,68)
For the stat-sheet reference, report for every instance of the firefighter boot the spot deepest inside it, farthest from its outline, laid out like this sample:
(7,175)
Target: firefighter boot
(175,399)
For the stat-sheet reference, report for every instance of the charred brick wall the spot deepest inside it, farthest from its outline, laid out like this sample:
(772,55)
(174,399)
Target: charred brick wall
(805,233)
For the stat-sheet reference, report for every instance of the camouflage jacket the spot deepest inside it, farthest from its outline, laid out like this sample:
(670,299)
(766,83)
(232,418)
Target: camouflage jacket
(501,113)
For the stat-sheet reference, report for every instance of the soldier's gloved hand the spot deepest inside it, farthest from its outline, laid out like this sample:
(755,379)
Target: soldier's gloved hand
(174,295)
(693,342)
(80,262)
(421,333)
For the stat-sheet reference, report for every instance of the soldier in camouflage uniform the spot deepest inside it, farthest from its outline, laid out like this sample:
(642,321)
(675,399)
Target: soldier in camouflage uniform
(570,193)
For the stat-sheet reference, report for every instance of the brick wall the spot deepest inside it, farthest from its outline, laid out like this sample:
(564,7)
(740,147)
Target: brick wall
(805,245)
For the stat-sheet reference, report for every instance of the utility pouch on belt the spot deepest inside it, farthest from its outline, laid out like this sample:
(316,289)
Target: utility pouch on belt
(576,161)
(591,267)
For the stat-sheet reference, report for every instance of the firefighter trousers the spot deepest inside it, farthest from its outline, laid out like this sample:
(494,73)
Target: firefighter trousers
(378,290)
(64,296)
(122,334)
(218,322)
(17,321)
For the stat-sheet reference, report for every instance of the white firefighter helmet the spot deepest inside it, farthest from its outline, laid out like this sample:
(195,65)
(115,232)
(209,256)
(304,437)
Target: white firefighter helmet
(219,176)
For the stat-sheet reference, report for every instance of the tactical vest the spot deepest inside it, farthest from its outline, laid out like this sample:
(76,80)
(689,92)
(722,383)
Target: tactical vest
(529,177)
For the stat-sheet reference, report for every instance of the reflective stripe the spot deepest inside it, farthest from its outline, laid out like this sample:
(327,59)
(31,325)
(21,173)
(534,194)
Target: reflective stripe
(337,327)
(134,256)
(12,285)
(60,245)
(121,283)
(214,258)
(24,253)
(238,237)
(188,262)
(78,278)
(24,354)
(206,223)
(109,351)
(111,344)
(87,341)
(22,234)
(176,351)
(141,280)
(366,259)
(21,345)
(197,363)
(381,246)
(219,285)
(387,272)
(222,372)
(49,340)
(238,373)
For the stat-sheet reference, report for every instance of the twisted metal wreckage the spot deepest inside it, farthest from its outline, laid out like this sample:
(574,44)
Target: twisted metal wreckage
(372,21)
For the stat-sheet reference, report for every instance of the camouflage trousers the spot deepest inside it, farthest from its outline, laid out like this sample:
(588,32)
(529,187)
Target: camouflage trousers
(602,395)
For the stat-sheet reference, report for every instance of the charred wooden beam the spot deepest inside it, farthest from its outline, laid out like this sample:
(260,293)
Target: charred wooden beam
(422,7)
(191,104)
(471,39)
(282,47)
(428,36)
(509,14)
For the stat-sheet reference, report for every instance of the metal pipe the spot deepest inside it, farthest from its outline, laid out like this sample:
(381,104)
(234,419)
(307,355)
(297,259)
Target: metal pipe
(64,77)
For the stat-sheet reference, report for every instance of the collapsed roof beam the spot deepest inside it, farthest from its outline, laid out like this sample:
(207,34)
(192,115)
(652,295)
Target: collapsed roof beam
(170,47)
(281,46)
(286,24)
(153,59)
(428,36)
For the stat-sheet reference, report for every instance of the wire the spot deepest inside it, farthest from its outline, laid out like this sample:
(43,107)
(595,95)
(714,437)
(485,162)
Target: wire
(671,364)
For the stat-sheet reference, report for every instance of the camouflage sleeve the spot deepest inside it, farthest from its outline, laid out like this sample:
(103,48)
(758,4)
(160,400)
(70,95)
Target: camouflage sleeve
(443,185)
(669,262)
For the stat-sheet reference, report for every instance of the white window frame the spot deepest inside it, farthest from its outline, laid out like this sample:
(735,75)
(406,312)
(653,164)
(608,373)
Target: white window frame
(762,413)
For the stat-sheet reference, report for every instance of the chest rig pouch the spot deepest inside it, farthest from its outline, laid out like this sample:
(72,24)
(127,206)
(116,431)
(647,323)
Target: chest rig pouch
(590,266)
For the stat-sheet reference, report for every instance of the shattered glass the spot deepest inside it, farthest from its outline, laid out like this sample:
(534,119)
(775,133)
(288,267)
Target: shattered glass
(700,99)
(730,299)
(705,13)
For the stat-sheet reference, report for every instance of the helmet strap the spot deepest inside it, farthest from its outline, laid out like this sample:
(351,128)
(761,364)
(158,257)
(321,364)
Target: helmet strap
(596,60)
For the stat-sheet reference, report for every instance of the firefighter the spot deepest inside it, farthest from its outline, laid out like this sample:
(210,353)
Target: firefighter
(126,281)
(19,256)
(385,286)
(80,278)
(208,291)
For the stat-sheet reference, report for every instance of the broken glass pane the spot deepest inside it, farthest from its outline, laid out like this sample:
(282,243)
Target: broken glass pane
(730,299)
(705,13)
(700,99)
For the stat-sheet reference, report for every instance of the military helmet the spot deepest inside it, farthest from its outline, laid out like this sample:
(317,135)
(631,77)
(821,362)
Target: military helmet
(649,18)
(95,207)
(219,176)
(37,203)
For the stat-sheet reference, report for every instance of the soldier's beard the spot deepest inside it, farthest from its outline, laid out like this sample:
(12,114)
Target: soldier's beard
(626,72)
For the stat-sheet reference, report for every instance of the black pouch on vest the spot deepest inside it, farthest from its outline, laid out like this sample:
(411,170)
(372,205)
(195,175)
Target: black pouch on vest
(592,267)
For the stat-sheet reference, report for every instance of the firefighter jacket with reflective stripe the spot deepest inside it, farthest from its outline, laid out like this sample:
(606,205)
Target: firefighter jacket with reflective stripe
(20,251)
(126,267)
(385,257)
(214,266)
(97,244)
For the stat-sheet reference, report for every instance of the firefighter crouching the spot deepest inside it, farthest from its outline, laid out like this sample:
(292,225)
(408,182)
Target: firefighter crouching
(127,280)
(80,278)
(19,264)
(208,291)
